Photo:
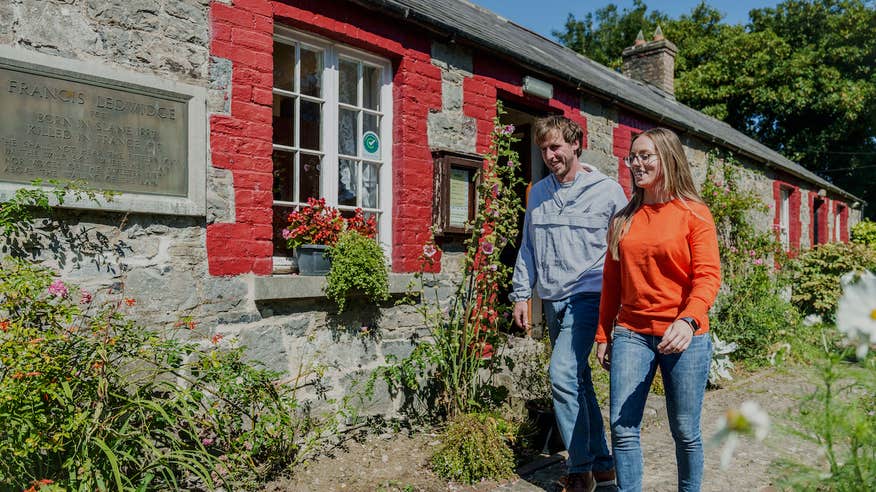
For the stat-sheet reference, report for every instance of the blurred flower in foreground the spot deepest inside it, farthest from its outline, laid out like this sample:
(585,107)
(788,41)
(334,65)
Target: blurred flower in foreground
(749,419)
(856,311)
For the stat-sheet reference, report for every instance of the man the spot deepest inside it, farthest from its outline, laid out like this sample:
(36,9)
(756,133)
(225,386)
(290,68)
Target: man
(561,255)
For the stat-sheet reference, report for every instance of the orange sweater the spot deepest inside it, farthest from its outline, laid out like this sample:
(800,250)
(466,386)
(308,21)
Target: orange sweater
(669,268)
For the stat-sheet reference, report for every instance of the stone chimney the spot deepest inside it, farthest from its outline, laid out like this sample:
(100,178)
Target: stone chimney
(652,62)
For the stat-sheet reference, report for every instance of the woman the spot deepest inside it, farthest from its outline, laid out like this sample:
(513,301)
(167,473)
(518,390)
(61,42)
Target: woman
(661,275)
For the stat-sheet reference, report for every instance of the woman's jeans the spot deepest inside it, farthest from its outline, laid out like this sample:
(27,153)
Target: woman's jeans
(572,327)
(634,360)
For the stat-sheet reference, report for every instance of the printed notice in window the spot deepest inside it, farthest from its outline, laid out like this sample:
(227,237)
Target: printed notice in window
(459,205)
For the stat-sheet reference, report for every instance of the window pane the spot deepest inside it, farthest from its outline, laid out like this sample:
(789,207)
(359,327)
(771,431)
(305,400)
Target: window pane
(371,87)
(284,176)
(311,118)
(370,181)
(311,72)
(370,122)
(348,79)
(284,66)
(280,221)
(284,120)
(348,179)
(347,132)
(309,174)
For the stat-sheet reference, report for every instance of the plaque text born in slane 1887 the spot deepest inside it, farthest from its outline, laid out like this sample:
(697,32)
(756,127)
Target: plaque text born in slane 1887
(58,125)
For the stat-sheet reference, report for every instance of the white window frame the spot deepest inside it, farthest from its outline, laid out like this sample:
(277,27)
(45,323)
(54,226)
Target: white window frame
(785,217)
(332,52)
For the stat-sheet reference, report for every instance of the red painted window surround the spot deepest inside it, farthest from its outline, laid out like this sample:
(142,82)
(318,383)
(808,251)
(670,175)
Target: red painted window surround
(627,127)
(795,226)
(241,140)
(843,211)
(822,219)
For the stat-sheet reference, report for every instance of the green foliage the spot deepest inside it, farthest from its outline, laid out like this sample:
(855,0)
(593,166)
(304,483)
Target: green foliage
(358,268)
(838,416)
(92,401)
(864,232)
(473,448)
(798,77)
(17,212)
(750,310)
(451,370)
(816,274)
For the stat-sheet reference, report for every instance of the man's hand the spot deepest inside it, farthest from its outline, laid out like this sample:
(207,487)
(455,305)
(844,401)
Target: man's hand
(603,355)
(521,316)
(677,338)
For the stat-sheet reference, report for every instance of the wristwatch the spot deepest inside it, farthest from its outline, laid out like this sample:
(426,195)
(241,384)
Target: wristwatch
(692,322)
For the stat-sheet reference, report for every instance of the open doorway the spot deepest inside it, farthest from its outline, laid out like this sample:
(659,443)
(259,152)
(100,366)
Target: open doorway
(532,169)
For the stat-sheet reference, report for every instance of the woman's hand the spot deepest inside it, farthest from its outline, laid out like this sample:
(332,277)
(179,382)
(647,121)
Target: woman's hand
(677,338)
(603,354)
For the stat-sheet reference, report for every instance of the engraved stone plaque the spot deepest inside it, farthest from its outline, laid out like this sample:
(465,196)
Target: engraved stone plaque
(59,124)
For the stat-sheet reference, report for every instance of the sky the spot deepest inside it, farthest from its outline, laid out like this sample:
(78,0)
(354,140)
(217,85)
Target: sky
(542,16)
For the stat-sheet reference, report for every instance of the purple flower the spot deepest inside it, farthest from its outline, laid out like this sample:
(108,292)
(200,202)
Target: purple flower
(85,297)
(58,289)
(487,248)
(508,130)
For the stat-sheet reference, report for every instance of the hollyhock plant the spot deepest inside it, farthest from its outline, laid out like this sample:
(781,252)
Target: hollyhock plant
(58,289)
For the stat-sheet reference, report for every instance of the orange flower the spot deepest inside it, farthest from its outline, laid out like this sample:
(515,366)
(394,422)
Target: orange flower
(217,338)
(191,324)
(130,301)
(4,325)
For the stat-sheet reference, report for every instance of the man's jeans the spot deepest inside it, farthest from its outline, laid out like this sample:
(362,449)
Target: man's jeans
(572,326)
(634,361)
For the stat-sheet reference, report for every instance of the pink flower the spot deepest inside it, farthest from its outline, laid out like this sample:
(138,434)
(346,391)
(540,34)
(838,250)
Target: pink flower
(85,297)
(511,163)
(429,250)
(286,233)
(751,253)
(508,130)
(207,441)
(758,261)
(493,267)
(733,249)
(58,289)
(487,248)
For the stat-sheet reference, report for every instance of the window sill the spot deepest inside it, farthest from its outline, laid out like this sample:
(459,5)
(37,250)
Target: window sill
(279,287)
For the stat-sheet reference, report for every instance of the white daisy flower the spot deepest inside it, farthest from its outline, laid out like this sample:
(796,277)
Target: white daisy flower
(748,419)
(856,310)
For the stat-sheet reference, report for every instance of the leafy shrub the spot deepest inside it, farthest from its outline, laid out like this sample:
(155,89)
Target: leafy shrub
(751,310)
(473,448)
(92,401)
(864,232)
(358,268)
(816,275)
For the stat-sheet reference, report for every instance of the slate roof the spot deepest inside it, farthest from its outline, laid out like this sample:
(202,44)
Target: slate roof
(461,20)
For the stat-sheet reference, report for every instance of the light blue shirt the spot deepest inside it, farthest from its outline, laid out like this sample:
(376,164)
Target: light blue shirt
(564,235)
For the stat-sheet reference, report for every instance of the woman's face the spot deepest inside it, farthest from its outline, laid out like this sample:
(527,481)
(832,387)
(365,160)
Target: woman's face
(647,171)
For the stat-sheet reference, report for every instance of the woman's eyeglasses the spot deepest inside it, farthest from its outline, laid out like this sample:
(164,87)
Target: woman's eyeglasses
(642,158)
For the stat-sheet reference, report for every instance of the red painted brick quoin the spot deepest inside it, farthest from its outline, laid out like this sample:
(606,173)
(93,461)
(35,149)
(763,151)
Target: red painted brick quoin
(623,136)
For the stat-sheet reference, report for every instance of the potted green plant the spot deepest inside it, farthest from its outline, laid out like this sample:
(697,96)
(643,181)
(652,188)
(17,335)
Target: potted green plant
(310,231)
(358,268)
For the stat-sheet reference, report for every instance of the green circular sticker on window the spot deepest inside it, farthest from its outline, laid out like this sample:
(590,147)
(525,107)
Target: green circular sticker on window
(371,144)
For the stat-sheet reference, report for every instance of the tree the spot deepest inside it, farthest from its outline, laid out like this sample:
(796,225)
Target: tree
(800,77)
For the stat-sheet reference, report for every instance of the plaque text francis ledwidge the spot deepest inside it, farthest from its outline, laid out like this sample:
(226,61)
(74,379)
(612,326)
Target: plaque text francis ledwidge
(113,136)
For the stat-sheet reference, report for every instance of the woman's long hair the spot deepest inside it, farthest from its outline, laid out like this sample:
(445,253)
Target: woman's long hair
(677,182)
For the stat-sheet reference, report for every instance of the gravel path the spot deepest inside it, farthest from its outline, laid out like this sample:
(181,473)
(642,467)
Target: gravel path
(778,392)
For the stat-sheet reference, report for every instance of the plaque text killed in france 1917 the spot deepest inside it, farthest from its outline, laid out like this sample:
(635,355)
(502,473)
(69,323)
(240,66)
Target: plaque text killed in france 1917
(58,125)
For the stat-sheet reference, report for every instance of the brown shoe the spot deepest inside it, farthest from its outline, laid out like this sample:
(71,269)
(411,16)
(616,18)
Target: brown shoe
(605,478)
(579,482)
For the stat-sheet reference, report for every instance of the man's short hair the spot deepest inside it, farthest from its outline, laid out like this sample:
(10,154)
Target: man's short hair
(570,130)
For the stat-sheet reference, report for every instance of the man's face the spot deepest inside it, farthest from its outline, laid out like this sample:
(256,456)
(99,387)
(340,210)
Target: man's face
(560,156)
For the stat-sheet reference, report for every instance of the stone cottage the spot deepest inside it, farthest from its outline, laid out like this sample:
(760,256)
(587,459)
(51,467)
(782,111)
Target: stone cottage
(214,119)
